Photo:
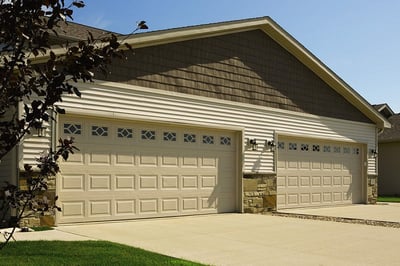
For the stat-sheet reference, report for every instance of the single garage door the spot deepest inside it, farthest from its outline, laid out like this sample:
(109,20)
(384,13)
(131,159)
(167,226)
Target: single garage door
(127,170)
(318,173)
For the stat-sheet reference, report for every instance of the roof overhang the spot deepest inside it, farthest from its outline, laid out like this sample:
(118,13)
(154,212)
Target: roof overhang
(272,29)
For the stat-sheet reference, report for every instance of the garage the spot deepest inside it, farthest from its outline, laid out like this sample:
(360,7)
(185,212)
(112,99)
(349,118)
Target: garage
(318,173)
(129,170)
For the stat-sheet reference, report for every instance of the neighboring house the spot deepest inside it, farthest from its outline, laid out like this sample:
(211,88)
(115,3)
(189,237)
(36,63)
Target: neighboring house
(226,117)
(389,150)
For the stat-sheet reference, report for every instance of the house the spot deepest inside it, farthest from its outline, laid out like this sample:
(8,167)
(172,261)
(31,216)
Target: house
(226,117)
(389,150)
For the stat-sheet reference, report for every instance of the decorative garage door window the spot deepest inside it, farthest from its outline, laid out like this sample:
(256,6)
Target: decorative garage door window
(99,131)
(169,136)
(317,147)
(74,129)
(189,138)
(125,133)
(225,141)
(208,139)
(148,134)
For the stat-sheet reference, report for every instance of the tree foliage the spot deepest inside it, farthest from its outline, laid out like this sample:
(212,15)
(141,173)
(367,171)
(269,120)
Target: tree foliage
(34,77)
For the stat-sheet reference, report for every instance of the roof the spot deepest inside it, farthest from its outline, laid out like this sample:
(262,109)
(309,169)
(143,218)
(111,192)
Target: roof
(391,134)
(272,29)
(384,109)
(72,32)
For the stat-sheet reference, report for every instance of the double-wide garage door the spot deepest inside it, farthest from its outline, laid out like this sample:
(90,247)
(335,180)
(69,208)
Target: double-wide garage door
(318,173)
(138,170)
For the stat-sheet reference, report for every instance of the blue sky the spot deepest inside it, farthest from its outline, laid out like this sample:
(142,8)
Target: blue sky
(357,39)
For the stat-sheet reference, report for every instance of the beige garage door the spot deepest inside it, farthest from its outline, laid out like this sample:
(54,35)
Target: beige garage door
(137,170)
(318,173)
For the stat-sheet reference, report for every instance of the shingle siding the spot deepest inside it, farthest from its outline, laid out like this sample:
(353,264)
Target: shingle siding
(246,67)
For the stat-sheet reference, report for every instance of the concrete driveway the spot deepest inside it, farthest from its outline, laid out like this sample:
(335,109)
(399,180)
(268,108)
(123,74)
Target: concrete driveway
(246,239)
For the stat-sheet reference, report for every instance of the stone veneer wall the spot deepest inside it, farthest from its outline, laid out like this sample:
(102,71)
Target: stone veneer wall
(37,219)
(372,189)
(259,193)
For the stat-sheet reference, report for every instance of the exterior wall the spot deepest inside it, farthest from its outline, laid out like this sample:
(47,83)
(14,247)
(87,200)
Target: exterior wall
(389,168)
(137,103)
(247,67)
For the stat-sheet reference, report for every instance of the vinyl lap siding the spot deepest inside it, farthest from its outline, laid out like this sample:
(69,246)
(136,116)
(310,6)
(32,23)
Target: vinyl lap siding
(137,103)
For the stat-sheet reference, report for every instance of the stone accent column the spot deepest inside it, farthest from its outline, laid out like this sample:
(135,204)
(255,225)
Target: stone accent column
(37,219)
(372,188)
(259,193)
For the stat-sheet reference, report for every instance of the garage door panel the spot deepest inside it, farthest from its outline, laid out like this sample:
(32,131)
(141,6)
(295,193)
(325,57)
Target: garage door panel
(154,172)
(319,173)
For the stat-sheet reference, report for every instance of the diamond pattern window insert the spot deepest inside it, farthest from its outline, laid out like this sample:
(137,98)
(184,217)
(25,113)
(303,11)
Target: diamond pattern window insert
(346,150)
(75,129)
(316,147)
(99,131)
(125,133)
(281,145)
(327,148)
(208,139)
(356,151)
(148,134)
(189,138)
(225,141)
(292,146)
(336,149)
(169,136)
(304,147)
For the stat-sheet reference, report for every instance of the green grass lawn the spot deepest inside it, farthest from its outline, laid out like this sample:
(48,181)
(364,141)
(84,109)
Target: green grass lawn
(389,199)
(81,253)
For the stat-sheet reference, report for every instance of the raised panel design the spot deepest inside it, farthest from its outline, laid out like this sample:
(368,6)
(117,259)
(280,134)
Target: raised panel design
(292,165)
(346,180)
(124,182)
(102,182)
(305,198)
(169,161)
(281,164)
(169,182)
(189,161)
(148,205)
(207,203)
(148,182)
(281,181)
(170,205)
(208,162)
(337,196)
(293,198)
(305,181)
(327,180)
(73,208)
(292,181)
(316,181)
(208,181)
(316,165)
(100,208)
(189,182)
(337,180)
(100,158)
(125,207)
(72,182)
(148,160)
(75,158)
(316,197)
(125,159)
(327,166)
(281,199)
(189,204)
(327,197)
(305,165)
